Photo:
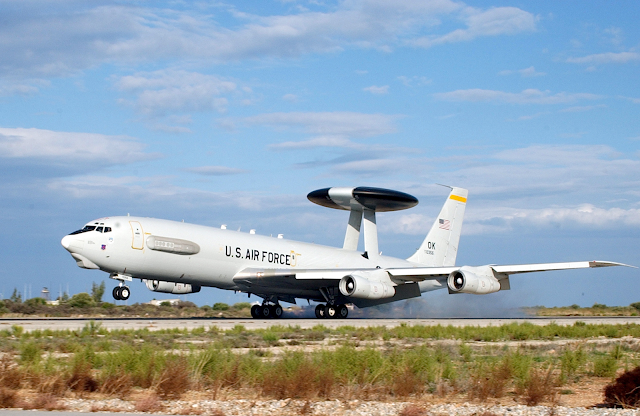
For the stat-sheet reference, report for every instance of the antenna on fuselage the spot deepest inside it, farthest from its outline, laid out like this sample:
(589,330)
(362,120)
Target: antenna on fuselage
(362,202)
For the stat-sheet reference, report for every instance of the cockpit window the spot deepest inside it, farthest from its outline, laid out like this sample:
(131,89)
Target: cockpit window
(107,229)
(99,229)
(84,230)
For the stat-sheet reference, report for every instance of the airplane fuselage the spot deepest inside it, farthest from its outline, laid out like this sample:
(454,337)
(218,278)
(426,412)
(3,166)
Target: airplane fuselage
(136,247)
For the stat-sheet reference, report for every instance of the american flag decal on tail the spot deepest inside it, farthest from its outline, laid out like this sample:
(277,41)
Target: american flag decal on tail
(444,224)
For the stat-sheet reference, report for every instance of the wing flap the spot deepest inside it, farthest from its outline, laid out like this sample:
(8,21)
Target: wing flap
(419,274)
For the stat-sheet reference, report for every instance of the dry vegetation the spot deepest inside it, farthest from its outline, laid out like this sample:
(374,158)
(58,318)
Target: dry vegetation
(598,309)
(503,364)
(82,304)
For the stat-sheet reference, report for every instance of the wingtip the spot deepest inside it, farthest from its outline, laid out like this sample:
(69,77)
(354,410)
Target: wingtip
(598,263)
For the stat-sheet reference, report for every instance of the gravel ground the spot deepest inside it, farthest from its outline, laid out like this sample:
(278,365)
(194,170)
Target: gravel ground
(335,408)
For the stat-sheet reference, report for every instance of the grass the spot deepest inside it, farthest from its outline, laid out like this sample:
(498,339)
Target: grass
(347,362)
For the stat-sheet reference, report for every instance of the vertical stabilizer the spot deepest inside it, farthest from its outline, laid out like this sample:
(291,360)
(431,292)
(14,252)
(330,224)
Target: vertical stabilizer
(440,248)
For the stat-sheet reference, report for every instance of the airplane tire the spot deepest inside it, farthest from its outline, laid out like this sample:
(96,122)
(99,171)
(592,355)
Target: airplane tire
(330,312)
(276,312)
(255,311)
(125,292)
(116,293)
(343,311)
(320,311)
(265,311)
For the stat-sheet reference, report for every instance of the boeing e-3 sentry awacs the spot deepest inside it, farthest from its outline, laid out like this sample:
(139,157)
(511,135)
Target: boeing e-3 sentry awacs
(179,258)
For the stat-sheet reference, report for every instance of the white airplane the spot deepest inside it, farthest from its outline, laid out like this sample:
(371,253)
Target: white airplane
(176,257)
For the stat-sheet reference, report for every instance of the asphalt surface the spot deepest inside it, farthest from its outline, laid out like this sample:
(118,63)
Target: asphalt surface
(154,324)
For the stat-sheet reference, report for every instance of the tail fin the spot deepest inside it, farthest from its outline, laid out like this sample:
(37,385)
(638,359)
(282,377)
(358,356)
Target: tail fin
(440,248)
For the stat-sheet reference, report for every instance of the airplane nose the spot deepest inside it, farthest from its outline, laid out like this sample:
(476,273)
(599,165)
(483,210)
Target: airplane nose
(71,244)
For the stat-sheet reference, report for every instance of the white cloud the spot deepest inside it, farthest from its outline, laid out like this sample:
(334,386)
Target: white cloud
(166,91)
(581,109)
(215,170)
(63,39)
(17,88)
(345,124)
(606,58)
(576,135)
(69,148)
(632,99)
(414,81)
(503,219)
(525,73)
(532,116)
(528,96)
(375,166)
(374,89)
(491,22)
(149,191)
(292,98)
(585,216)
(323,141)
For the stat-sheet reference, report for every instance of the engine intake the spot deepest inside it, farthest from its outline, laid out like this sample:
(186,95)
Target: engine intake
(474,280)
(171,287)
(367,285)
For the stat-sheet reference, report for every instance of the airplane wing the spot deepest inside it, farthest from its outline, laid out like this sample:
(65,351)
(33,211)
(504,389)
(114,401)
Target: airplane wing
(418,274)
(297,277)
(287,284)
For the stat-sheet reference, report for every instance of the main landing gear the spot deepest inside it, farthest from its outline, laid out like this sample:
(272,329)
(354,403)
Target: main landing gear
(332,311)
(266,311)
(121,292)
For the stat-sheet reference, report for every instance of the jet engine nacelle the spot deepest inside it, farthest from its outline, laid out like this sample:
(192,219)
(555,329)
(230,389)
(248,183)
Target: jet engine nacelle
(170,287)
(367,285)
(475,280)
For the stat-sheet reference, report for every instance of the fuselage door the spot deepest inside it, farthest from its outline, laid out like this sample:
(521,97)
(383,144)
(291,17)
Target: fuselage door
(138,236)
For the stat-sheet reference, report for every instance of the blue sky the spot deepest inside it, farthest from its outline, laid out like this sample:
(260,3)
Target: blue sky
(225,113)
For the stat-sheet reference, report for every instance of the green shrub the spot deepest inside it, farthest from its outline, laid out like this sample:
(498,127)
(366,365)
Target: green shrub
(81,300)
(35,302)
(30,353)
(605,366)
(571,362)
(219,306)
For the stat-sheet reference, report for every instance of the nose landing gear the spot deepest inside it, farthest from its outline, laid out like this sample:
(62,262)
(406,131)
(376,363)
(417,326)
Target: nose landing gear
(121,292)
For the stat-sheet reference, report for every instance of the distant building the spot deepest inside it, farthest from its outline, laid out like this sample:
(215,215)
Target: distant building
(158,302)
(45,294)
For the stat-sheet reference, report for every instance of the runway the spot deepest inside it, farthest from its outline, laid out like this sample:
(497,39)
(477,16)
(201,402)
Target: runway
(155,324)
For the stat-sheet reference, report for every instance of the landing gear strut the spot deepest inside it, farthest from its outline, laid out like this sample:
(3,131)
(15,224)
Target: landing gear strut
(331,311)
